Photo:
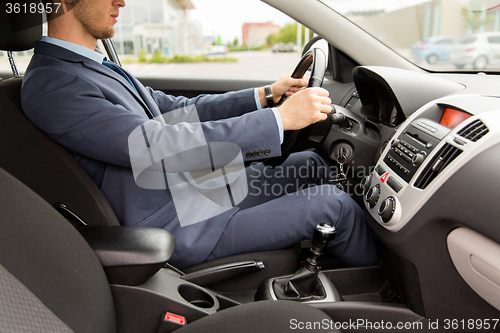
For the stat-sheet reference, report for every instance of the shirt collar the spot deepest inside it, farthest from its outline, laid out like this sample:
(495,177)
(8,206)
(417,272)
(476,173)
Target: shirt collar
(78,49)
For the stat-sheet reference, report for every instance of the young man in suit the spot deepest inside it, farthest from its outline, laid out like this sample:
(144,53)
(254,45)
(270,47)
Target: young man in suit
(91,110)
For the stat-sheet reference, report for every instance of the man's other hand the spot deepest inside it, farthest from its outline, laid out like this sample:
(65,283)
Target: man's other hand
(305,107)
(288,86)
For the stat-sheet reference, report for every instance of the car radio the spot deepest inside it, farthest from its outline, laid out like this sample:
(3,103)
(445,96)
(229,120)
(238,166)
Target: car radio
(411,148)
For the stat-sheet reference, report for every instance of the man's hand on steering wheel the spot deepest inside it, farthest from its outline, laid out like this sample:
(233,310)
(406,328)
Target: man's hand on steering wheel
(304,108)
(286,86)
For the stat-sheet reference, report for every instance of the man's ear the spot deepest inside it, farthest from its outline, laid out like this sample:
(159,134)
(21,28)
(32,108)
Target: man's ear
(54,8)
(69,4)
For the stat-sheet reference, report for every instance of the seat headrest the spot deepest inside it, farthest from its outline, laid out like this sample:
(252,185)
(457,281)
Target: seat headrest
(19,26)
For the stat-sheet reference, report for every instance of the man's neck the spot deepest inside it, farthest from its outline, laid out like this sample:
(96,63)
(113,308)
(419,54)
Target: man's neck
(76,35)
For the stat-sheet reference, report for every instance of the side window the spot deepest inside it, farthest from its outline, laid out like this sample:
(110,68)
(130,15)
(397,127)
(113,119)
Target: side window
(200,38)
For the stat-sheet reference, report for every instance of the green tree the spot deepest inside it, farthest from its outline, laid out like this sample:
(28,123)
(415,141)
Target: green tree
(272,39)
(287,34)
(236,41)
(476,16)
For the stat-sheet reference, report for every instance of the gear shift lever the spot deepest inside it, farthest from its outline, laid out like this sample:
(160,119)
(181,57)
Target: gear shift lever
(323,234)
(304,282)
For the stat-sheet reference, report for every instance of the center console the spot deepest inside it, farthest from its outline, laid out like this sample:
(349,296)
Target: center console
(428,148)
(151,296)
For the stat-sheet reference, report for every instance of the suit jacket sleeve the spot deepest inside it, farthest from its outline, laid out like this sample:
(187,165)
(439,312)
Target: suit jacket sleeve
(210,107)
(74,112)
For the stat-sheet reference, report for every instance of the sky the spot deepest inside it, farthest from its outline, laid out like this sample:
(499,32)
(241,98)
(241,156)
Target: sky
(226,17)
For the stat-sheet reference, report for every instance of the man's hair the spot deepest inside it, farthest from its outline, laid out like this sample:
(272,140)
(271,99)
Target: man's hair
(54,8)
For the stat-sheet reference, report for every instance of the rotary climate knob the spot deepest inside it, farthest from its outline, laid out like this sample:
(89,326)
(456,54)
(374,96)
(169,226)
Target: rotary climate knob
(372,195)
(365,183)
(386,209)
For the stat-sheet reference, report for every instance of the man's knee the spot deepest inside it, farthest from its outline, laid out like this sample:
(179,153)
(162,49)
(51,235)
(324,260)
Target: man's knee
(305,158)
(309,165)
(337,204)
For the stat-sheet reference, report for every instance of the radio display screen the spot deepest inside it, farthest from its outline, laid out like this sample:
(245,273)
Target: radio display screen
(452,117)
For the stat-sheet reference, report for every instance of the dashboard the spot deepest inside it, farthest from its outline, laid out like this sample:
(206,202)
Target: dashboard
(432,145)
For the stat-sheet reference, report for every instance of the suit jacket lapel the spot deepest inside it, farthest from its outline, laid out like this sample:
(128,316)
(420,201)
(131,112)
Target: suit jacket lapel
(141,94)
(108,72)
(144,94)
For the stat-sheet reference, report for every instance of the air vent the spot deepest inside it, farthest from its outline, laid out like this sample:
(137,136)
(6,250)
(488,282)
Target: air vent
(474,131)
(444,157)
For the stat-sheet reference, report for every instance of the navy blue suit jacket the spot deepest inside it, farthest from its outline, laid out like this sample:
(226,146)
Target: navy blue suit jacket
(91,111)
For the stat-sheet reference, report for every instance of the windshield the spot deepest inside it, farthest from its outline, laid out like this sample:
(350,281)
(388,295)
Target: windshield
(433,34)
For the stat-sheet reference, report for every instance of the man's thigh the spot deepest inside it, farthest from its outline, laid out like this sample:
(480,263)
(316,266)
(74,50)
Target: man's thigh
(287,220)
(298,172)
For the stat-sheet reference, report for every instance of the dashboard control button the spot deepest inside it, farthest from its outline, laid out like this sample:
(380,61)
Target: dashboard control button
(384,177)
(395,143)
(373,195)
(394,184)
(386,209)
(380,170)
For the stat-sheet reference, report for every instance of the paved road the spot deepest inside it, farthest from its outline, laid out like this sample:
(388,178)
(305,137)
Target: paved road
(260,65)
(265,65)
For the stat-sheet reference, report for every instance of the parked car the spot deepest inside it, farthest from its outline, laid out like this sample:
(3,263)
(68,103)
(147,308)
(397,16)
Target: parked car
(478,50)
(283,47)
(217,50)
(433,49)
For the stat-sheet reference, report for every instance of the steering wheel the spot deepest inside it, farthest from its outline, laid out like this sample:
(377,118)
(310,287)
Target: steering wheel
(316,59)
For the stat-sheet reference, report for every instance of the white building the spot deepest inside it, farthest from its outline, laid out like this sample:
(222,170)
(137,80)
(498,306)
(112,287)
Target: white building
(153,25)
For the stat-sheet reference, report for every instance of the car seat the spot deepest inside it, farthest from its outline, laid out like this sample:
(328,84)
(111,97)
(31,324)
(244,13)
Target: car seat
(51,280)
(49,170)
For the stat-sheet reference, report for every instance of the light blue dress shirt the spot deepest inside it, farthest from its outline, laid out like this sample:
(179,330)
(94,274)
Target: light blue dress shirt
(98,57)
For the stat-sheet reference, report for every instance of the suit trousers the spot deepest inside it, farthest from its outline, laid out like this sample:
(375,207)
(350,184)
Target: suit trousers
(284,205)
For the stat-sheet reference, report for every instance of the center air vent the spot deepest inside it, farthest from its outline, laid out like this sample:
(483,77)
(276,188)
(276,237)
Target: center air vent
(444,157)
(474,131)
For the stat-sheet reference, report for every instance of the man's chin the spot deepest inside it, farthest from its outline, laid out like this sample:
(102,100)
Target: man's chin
(106,34)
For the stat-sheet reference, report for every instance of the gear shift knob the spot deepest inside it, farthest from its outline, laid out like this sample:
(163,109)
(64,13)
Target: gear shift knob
(323,234)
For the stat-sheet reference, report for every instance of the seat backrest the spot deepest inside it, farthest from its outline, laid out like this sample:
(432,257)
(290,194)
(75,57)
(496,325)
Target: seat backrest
(50,279)
(43,165)
(28,153)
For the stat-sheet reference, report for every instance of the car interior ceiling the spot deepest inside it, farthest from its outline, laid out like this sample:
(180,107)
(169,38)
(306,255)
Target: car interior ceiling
(39,180)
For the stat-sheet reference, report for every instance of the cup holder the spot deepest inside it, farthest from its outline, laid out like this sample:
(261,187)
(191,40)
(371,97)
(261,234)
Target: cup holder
(196,296)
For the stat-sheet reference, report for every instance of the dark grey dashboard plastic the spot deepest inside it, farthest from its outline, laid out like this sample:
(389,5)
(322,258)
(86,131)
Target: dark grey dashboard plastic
(406,89)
